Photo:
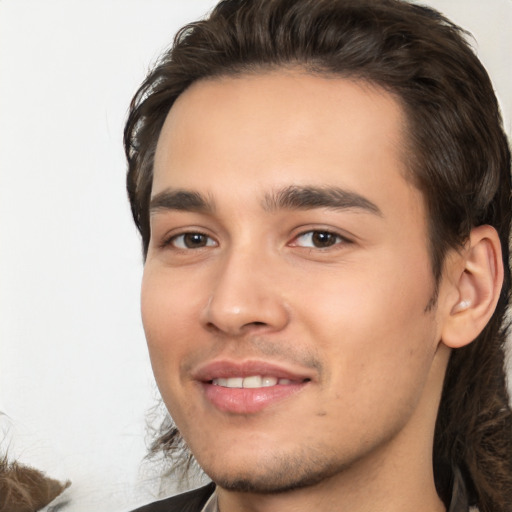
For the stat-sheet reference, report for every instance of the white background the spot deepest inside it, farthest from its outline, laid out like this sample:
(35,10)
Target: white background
(75,380)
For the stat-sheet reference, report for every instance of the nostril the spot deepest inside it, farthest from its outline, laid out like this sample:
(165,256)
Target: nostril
(210,326)
(254,326)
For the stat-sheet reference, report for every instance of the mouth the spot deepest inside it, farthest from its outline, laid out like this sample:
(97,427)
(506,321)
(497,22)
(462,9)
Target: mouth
(249,387)
(253,382)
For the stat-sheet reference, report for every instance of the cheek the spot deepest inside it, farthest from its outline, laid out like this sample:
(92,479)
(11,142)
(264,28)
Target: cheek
(166,315)
(166,319)
(372,320)
(377,297)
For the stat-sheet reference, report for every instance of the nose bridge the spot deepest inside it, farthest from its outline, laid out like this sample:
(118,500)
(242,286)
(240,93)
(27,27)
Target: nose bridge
(243,295)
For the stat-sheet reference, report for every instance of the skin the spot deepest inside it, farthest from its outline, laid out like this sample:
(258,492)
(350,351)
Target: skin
(350,314)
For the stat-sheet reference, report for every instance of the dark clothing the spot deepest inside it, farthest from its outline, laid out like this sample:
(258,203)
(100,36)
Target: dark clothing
(194,501)
(191,501)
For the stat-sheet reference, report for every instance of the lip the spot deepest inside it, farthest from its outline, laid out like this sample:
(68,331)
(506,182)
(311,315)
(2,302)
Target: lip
(249,400)
(225,369)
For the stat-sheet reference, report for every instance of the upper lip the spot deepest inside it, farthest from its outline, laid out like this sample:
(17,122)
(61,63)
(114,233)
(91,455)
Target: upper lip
(224,369)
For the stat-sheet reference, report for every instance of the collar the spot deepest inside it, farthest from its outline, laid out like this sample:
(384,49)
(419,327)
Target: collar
(211,505)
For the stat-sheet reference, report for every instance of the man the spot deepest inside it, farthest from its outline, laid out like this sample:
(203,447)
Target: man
(323,192)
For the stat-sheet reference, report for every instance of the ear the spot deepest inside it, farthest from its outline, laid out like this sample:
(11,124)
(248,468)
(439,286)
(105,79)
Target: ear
(477,286)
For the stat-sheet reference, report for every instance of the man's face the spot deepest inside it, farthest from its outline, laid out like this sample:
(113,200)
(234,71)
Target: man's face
(287,281)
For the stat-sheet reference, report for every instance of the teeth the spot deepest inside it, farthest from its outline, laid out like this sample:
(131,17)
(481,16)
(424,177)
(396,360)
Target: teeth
(235,382)
(268,381)
(254,381)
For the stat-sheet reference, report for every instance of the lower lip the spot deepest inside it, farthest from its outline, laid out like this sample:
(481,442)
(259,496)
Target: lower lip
(248,400)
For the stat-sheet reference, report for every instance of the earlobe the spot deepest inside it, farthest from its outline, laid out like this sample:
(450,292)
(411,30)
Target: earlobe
(478,288)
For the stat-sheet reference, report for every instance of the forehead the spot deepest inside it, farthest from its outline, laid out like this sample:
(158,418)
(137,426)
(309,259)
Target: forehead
(273,129)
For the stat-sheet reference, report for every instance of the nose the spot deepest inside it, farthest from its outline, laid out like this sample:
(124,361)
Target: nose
(245,296)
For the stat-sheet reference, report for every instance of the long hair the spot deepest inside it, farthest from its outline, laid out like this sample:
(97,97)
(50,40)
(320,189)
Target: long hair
(458,157)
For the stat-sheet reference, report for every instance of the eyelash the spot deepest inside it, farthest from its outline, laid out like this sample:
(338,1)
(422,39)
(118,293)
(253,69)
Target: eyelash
(171,241)
(336,238)
(333,239)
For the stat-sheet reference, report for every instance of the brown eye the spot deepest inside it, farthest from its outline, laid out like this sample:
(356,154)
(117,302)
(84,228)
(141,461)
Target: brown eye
(318,239)
(323,239)
(192,241)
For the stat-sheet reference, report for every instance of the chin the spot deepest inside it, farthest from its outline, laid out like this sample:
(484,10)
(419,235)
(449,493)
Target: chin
(274,478)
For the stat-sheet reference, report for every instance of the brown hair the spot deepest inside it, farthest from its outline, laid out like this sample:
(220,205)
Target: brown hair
(25,489)
(458,156)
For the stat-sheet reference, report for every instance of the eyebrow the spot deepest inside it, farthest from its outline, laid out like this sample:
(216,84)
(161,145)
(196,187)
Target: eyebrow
(183,200)
(289,198)
(306,198)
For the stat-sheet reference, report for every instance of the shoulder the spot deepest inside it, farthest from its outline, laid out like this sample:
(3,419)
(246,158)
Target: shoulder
(191,501)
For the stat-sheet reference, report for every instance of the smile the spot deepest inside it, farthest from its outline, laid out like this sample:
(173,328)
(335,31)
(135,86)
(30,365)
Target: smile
(251,382)
(250,387)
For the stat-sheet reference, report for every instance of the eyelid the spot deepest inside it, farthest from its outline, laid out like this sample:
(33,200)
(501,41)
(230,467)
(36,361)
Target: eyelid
(170,238)
(341,239)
